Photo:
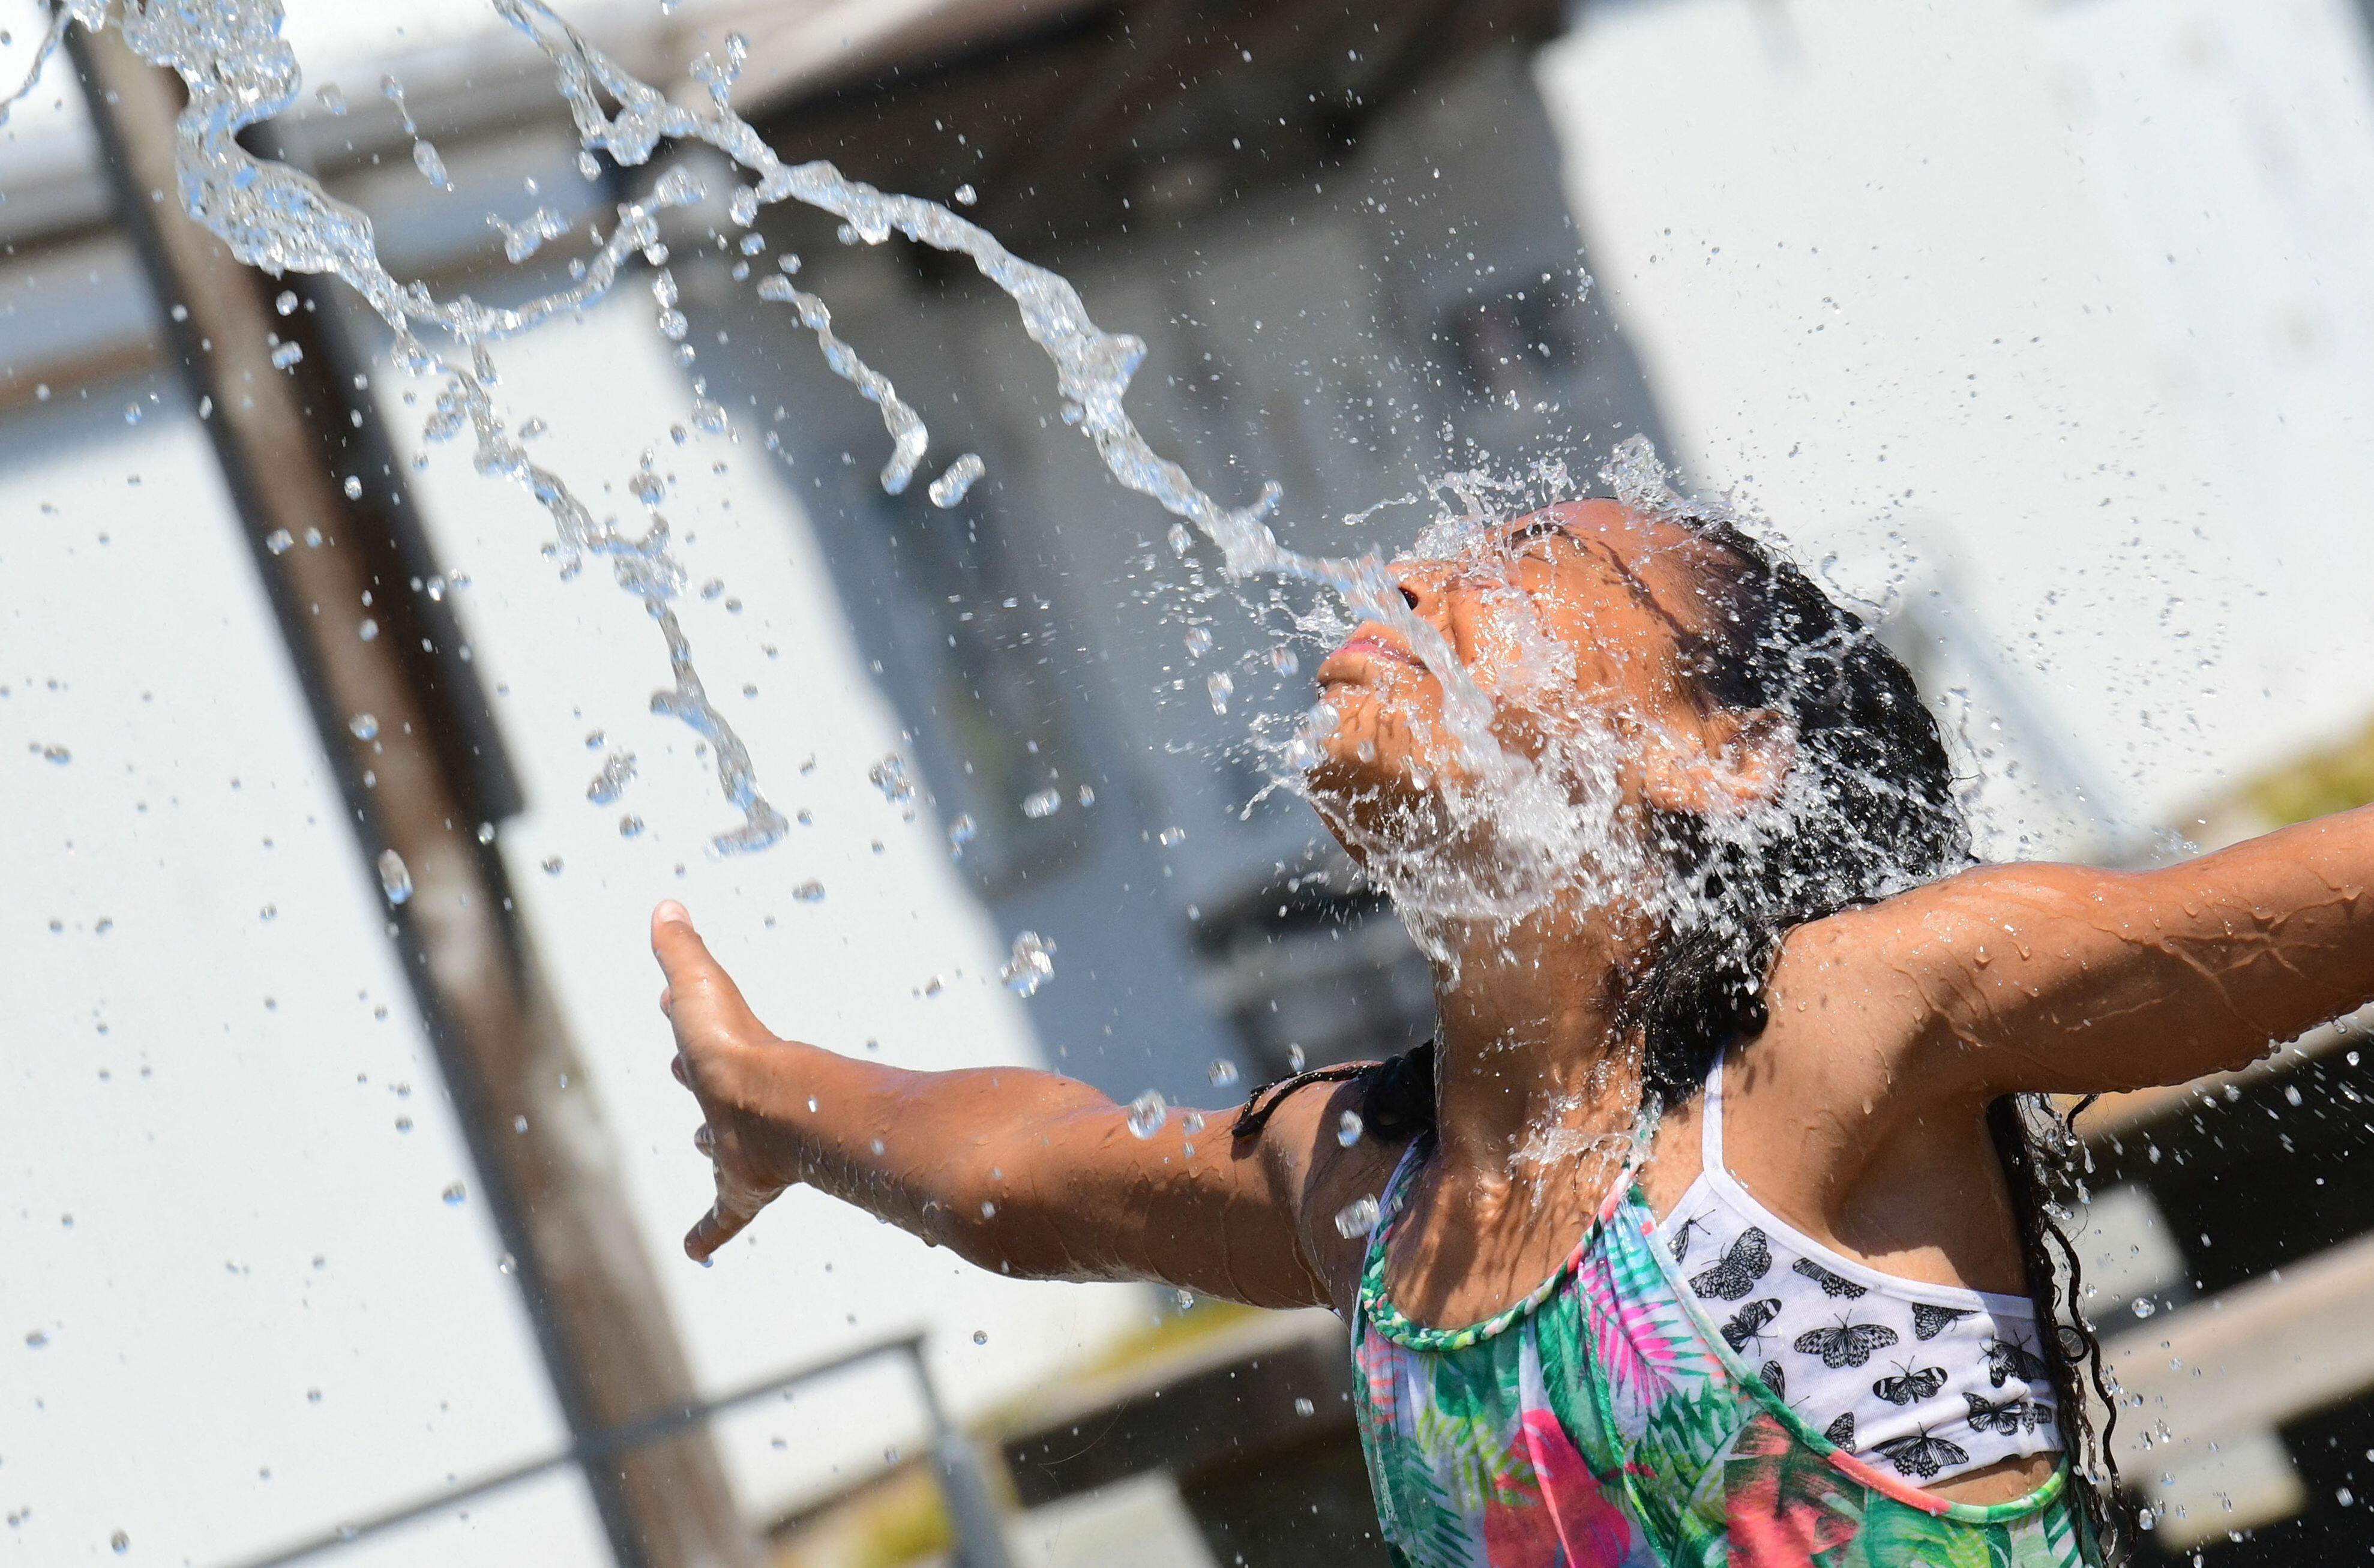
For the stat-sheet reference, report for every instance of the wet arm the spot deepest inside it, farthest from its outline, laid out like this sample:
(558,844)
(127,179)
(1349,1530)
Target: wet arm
(1024,1172)
(2073,979)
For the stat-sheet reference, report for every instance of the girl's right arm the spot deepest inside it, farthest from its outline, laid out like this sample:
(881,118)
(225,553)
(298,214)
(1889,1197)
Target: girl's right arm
(1024,1172)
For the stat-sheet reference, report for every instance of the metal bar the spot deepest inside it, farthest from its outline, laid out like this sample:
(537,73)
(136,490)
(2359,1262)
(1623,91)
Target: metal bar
(599,1446)
(973,1512)
(336,579)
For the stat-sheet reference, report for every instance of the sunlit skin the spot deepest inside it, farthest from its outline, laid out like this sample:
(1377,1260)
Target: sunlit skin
(1858,1115)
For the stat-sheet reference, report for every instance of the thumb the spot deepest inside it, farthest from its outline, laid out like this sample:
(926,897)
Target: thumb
(701,995)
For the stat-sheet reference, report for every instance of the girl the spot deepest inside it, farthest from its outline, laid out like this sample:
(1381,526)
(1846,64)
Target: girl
(1710,1228)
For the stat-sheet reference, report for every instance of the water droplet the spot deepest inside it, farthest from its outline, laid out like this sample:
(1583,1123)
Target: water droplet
(552,866)
(960,476)
(1294,1056)
(962,831)
(1303,1407)
(1199,640)
(2143,1307)
(432,167)
(394,877)
(1222,1072)
(1031,964)
(286,355)
(1347,1129)
(121,1543)
(280,541)
(980,1335)
(57,756)
(889,776)
(269,912)
(1044,803)
(353,487)
(35,1339)
(630,826)
(1357,1218)
(486,832)
(287,302)
(1282,660)
(132,413)
(404,1123)
(1171,836)
(617,768)
(328,96)
(1190,1122)
(368,631)
(966,196)
(1183,539)
(1147,1112)
(453,1195)
(1086,797)
(809,892)
(363,727)
(1220,686)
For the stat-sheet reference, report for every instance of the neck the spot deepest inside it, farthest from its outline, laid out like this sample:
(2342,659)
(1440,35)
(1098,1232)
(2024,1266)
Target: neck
(1534,1064)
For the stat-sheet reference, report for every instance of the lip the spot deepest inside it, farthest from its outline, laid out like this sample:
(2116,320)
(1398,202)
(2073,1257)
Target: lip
(1367,646)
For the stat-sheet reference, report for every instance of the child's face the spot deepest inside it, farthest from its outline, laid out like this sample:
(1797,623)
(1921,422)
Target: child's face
(1574,621)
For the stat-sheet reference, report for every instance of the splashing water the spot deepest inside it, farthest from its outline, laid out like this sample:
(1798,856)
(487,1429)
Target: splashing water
(959,477)
(239,72)
(1031,965)
(1553,819)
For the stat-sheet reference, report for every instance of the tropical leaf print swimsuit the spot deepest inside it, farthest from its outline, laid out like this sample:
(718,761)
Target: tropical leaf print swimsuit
(1602,1422)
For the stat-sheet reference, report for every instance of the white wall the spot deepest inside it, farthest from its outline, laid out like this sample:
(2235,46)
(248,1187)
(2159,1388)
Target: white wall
(2070,297)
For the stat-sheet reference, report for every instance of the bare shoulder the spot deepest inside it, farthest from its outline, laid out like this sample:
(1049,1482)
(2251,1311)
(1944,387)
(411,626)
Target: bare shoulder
(1883,1003)
(1311,1167)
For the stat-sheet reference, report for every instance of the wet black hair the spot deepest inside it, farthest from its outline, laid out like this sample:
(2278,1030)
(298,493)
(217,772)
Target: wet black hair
(1890,818)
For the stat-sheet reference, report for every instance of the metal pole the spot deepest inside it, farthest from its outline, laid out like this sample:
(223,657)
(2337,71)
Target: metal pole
(973,1514)
(651,1429)
(340,580)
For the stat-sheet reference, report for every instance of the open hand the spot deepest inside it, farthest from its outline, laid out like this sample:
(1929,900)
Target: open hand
(733,1069)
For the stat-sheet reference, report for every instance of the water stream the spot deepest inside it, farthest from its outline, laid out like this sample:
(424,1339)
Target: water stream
(239,71)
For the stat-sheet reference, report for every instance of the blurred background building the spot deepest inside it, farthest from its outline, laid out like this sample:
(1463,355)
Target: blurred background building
(2041,327)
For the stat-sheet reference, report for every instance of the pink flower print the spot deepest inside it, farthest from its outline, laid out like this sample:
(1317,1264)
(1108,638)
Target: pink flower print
(1562,1519)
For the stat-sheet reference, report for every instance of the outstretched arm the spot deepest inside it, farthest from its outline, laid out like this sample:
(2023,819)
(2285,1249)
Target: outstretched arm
(2070,980)
(1020,1172)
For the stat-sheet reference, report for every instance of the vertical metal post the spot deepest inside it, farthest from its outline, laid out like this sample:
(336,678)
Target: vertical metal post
(365,639)
(973,1512)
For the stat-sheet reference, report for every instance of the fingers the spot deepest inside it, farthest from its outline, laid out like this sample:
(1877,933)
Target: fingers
(700,996)
(714,1230)
(724,1221)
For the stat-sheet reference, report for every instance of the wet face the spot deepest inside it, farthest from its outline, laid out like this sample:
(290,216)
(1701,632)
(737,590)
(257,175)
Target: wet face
(1579,623)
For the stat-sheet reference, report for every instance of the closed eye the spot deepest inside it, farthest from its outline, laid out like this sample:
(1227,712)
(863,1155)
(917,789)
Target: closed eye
(1520,540)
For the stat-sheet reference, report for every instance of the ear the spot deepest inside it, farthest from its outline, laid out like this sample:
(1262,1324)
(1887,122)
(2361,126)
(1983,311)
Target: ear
(1737,760)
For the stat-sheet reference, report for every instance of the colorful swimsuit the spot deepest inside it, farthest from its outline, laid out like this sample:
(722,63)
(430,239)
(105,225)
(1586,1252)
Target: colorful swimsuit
(1601,1423)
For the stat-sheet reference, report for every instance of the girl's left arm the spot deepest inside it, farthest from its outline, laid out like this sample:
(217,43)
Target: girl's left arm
(2071,979)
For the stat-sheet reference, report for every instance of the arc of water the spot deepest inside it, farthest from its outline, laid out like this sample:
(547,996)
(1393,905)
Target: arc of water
(239,71)
(1093,368)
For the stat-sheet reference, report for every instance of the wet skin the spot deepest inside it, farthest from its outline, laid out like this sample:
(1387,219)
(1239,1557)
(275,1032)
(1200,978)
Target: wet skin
(1858,1115)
